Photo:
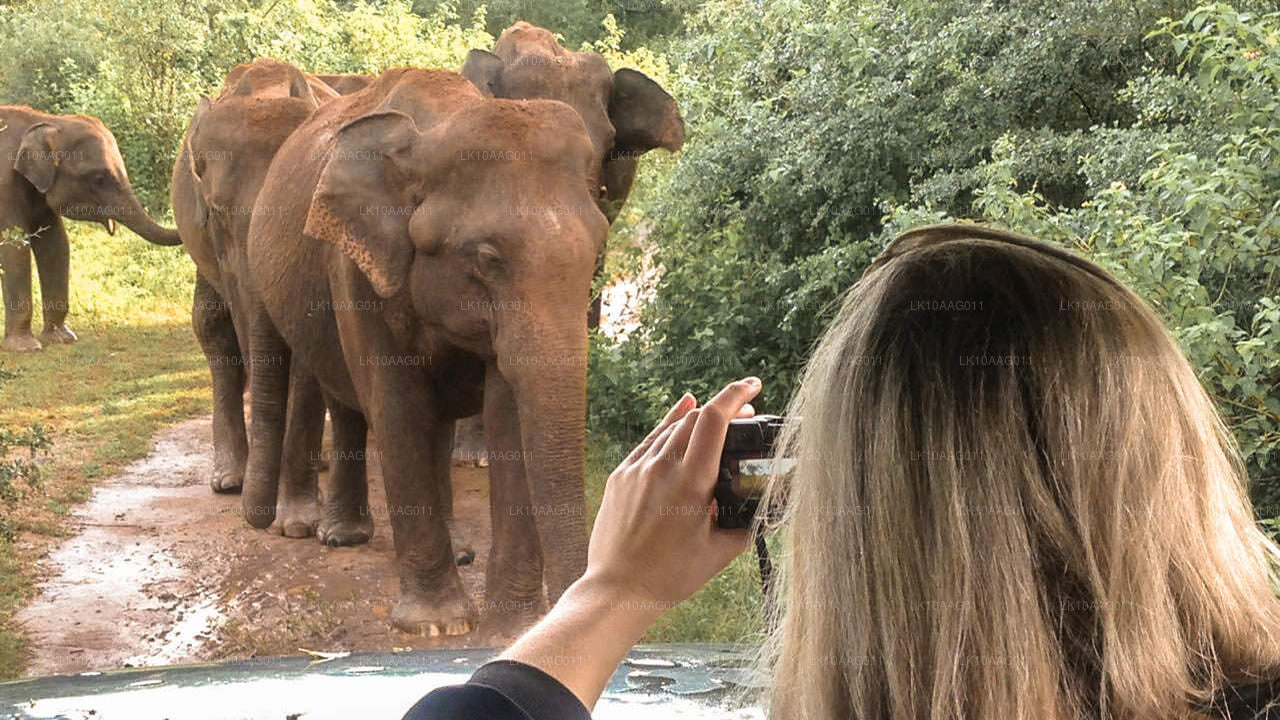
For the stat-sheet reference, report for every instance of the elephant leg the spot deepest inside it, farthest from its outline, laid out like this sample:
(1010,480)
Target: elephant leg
(297,512)
(345,518)
(15,279)
(53,260)
(211,319)
(513,578)
(269,359)
(442,455)
(402,416)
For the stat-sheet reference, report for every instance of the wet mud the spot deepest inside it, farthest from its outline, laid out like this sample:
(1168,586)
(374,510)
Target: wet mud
(160,570)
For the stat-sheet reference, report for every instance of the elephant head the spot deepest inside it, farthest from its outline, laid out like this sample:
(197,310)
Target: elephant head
(486,224)
(626,113)
(74,162)
(232,140)
(267,77)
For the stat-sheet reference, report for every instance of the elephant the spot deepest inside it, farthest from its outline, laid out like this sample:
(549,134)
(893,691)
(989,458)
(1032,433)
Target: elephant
(626,113)
(219,169)
(398,268)
(56,166)
(345,84)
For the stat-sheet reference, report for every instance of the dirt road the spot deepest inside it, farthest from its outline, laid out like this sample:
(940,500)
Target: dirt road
(161,570)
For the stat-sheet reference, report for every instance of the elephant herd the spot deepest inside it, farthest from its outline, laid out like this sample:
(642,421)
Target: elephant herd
(402,251)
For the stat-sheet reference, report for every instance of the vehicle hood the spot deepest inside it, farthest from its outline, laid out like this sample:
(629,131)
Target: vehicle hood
(681,681)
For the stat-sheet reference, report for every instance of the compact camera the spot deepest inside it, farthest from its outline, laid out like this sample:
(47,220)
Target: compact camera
(746,464)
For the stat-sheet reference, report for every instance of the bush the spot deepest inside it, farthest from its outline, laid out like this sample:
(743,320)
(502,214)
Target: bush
(141,65)
(823,129)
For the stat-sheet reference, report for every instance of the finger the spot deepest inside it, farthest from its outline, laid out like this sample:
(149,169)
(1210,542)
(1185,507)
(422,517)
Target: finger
(703,457)
(677,411)
(661,440)
(675,446)
(747,411)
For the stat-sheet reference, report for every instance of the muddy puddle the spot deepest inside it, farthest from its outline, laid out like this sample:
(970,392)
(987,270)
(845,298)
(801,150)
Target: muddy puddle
(160,570)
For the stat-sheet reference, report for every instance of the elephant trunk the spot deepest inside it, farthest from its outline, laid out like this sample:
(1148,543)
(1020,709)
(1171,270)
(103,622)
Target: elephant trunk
(269,363)
(134,217)
(550,382)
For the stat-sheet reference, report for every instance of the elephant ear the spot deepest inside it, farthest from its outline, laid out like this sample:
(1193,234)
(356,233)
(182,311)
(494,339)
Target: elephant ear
(644,116)
(36,159)
(369,167)
(300,87)
(202,210)
(320,91)
(248,82)
(483,69)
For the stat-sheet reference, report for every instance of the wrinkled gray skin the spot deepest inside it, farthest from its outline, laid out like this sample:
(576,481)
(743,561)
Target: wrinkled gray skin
(398,268)
(51,167)
(626,114)
(220,167)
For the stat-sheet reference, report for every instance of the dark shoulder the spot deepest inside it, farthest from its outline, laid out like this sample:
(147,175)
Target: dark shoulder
(465,701)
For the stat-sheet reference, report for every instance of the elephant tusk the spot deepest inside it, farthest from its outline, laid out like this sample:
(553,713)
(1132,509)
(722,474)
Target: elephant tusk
(111,226)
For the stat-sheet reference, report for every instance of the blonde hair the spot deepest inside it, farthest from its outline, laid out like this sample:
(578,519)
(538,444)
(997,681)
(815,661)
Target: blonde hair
(1013,500)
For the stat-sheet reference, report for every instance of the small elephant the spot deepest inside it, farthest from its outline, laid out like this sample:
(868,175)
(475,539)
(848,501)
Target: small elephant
(396,266)
(219,169)
(51,167)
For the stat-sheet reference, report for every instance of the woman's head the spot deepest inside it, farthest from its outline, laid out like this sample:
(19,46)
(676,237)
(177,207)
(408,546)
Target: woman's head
(1013,500)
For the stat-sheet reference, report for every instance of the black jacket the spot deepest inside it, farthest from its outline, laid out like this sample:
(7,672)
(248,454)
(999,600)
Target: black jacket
(508,690)
(502,690)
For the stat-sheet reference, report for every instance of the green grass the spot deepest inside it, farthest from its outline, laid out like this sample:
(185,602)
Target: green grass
(728,609)
(136,369)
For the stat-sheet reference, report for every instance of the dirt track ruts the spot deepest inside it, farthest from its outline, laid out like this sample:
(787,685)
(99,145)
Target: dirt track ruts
(160,570)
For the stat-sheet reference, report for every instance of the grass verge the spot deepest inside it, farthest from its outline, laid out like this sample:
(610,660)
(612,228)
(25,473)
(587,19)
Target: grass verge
(136,368)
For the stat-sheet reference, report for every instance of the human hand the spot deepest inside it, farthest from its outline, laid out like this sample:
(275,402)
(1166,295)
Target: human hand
(655,540)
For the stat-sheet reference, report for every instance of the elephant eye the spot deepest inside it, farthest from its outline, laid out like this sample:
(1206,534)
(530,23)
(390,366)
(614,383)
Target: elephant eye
(488,259)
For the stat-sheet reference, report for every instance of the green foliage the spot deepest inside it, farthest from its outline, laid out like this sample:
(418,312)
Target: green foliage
(820,130)
(1198,233)
(141,65)
(575,21)
(808,118)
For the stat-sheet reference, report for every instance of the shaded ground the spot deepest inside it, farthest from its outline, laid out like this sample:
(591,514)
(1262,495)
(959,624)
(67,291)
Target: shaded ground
(161,570)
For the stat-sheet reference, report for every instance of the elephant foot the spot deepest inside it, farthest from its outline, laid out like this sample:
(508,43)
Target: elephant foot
(226,477)
(297,518)
(60,335)
(345,532)
(453,614)
(24,342)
